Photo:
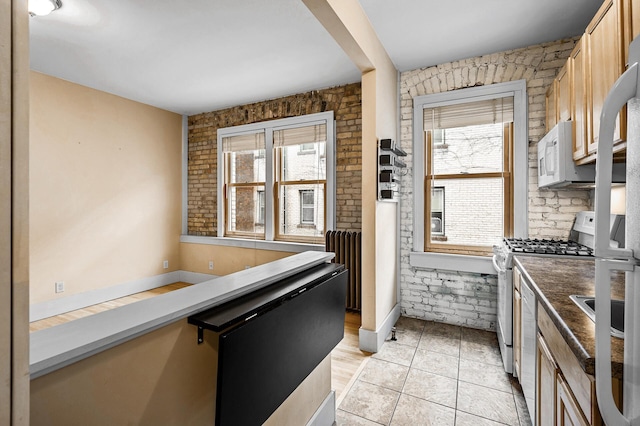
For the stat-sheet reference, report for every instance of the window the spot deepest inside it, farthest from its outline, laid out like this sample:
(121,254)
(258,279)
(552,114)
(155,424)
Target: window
(471,194)
(260,205)
(475,170)
(439,139)
(437,212)
(271,192)
(245,178)
(307,206)
(307,148)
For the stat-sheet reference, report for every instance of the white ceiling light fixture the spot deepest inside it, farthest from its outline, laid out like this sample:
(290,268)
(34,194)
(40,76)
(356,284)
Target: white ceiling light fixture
(43,7)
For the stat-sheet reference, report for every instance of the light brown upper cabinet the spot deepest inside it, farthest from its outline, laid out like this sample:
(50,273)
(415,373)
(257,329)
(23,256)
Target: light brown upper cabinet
(564,92)
(605,37)
(596,62)
(551,100)
(579,98)
(631,24)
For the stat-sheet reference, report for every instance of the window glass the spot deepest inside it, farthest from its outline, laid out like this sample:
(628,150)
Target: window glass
(244,214)
(473,212)
(467,169)
(301,210)
(297,167)
(307,206)
(437,211)
(470,149)
(261,206)
(247,166)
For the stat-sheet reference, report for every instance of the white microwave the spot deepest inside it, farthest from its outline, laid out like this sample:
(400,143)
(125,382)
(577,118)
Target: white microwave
(556,168)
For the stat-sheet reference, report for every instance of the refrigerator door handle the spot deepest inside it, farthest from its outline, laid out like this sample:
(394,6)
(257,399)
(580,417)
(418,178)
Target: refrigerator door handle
(608,409)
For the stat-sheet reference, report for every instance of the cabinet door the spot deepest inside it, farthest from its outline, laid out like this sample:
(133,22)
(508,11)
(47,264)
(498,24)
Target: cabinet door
(579,98)
(567,408)
(564,92)
(547,371)
(606,65)
(551,99)
(517,324)
(631,23)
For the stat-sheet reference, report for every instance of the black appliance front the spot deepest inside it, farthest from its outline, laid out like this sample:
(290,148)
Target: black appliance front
(261,362)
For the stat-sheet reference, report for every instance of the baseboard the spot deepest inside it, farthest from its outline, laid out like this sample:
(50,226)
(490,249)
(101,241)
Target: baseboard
(38,311)
(325,415)
(195,277)
(370,340)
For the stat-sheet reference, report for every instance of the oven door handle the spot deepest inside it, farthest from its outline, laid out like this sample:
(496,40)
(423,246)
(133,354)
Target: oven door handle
(496,266)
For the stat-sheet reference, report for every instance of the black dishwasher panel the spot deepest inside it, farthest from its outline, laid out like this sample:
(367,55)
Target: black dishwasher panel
(277,337)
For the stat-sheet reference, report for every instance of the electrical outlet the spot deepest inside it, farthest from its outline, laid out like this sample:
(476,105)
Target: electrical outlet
(59,286)
(165,264)
(211,264)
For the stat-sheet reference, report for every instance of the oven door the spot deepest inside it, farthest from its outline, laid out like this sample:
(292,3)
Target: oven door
(504,308)
(505,305)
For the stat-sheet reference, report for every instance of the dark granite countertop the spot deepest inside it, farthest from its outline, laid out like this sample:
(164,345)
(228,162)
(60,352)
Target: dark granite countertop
(554,280)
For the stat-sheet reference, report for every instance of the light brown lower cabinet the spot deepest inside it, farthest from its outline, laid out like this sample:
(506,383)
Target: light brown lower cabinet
(569,413)
(547,372)
(556,405)
(565,394)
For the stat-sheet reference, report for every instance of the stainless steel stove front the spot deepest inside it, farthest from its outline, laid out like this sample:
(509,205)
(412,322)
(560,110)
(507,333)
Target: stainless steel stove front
(503,265)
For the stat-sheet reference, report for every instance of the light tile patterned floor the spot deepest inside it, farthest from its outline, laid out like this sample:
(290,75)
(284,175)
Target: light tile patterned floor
(434,374)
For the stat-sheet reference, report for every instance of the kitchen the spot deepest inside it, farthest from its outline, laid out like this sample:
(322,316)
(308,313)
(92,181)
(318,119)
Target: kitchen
(554,212)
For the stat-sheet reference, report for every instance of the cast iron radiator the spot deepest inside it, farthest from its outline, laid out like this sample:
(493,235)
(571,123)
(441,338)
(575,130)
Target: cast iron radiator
(347,247)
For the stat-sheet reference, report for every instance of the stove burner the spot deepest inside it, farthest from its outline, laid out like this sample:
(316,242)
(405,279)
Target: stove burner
(547,247)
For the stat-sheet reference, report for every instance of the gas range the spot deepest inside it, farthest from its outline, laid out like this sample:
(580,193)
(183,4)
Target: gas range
(547,247)
(578,245)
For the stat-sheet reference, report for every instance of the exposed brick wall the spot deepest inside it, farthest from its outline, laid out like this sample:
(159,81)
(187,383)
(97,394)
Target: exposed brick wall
(463,298)
(344,101)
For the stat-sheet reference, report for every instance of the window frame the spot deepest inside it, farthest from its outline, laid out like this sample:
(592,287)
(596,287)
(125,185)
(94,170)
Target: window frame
(271,183)
(470,263)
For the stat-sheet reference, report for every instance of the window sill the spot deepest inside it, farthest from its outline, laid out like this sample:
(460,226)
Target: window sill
(252,244)
(452,262)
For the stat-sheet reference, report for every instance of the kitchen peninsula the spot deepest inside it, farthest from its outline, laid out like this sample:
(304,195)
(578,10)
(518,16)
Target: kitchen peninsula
(141,364)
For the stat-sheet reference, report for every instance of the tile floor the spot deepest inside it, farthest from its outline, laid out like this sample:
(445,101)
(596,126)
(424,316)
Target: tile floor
(434,374)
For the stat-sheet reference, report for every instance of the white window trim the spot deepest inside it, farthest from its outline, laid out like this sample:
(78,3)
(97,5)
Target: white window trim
(269,127)
(476,264)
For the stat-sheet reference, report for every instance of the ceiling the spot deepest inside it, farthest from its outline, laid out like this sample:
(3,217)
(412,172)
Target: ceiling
(202,55)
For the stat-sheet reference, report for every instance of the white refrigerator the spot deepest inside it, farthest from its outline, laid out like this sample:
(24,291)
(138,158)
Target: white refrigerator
(626,89)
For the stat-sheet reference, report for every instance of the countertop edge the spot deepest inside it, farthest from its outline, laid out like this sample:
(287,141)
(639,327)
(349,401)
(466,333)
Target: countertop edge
(585,359)
(62,345)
